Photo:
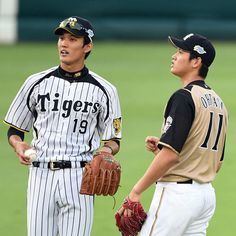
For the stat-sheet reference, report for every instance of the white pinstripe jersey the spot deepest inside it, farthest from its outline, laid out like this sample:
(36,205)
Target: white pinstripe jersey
(69,114)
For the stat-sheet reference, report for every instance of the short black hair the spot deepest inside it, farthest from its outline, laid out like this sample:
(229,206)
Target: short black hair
(203,71)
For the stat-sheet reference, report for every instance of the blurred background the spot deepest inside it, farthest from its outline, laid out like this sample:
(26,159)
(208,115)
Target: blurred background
(132,52)
(27,20)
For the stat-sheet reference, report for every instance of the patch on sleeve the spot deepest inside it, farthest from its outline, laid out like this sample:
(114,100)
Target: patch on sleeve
(117,125)
(168,124)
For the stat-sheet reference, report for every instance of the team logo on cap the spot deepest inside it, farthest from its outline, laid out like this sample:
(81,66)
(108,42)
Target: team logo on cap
(90,33)
(199,49)
(72,21)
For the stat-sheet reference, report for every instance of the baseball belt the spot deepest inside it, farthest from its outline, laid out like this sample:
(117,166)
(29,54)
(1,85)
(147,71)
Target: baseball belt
(189,181)
(57,165)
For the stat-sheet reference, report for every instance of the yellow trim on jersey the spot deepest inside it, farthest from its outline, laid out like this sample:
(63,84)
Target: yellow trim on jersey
(167,145)
(13,126)
(105,140)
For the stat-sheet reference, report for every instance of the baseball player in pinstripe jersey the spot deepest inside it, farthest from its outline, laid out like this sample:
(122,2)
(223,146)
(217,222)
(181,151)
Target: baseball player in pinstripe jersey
(70,109)
(190,150)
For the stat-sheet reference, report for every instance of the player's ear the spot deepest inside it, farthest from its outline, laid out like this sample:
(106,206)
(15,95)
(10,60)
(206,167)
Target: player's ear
(88,47)
(196,62)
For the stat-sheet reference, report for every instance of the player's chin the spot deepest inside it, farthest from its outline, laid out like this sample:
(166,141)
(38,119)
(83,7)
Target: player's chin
(65,60)
(172,70)
(63,56)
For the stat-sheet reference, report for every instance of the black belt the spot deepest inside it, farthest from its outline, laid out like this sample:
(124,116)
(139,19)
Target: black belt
(189,181)
(57,165)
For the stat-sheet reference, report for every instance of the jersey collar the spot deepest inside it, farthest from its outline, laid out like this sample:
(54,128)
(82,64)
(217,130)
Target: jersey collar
(72,76)
(200,83)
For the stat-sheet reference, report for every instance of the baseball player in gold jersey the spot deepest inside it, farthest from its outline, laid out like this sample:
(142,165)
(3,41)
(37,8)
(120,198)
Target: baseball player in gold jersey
(190,150)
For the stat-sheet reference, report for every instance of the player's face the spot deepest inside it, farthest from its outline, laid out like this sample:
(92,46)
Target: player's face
(72,51)
(180,64)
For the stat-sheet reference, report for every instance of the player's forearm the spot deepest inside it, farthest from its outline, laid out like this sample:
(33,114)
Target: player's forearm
(111,146)
(18,144)
(14,140)
(162,162)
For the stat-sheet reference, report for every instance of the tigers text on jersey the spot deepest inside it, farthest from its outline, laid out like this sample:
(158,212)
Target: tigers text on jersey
(195,127)
(69,113)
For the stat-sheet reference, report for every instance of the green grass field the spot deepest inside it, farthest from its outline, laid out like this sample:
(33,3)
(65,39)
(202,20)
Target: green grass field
(140,71)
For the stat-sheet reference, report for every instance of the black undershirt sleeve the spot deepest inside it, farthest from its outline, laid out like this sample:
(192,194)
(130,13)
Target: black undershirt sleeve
(179,116)
(12,131)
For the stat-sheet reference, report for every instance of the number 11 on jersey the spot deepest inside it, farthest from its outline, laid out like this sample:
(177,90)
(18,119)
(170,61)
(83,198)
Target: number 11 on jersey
(205,143)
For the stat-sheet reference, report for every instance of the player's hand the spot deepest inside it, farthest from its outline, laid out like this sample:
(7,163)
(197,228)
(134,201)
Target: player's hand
(125,212)
(20,148)
(131,216)
(151,144)
(134,197)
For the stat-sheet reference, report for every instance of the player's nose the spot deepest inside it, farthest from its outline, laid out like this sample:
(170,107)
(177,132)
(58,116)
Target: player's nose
(173,56)
(63,43)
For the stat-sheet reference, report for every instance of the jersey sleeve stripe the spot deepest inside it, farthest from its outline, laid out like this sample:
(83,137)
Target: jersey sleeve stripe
(32,88)
(11,125)
(105,140)
(168,146)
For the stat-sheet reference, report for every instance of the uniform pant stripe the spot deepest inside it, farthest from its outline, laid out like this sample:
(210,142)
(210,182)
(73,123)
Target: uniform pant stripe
(156,215)
(73,210)
(39,206)
(51,197)
(86,209)
(44,203)
(79,202)
(63,210)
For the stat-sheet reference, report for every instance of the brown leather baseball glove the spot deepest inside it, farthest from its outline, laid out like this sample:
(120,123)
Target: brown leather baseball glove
(130,225)
(101,176)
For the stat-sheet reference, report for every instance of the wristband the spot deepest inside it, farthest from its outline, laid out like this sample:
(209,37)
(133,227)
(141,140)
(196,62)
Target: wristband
(109,148)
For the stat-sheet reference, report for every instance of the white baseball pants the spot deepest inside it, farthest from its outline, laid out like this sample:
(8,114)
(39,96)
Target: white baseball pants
(180,210)
(54,205)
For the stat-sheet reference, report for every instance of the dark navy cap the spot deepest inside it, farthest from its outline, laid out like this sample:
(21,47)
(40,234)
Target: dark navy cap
(77,26)
(198,45)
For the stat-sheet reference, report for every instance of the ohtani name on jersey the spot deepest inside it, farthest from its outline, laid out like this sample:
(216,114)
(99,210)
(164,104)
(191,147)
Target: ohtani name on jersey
(211,101)
(67,105)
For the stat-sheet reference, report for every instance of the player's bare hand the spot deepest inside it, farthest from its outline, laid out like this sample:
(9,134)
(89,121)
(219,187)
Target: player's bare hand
(20,148)
(121,211)
(151,144)
(125,212)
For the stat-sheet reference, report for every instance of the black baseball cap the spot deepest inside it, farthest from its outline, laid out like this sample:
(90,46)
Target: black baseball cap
(196,44)
(77,26)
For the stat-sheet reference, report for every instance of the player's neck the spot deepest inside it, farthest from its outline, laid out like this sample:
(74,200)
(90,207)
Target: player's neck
(72,68)
(190,78)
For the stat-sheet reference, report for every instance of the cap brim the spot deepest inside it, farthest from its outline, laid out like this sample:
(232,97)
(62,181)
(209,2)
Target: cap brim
(61,30)
(178,43)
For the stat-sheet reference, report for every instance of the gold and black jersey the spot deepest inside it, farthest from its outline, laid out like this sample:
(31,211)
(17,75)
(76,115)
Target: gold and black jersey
(195,124)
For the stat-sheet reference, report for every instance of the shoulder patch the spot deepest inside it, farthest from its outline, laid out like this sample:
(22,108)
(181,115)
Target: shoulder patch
(168,124)
(117,125)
